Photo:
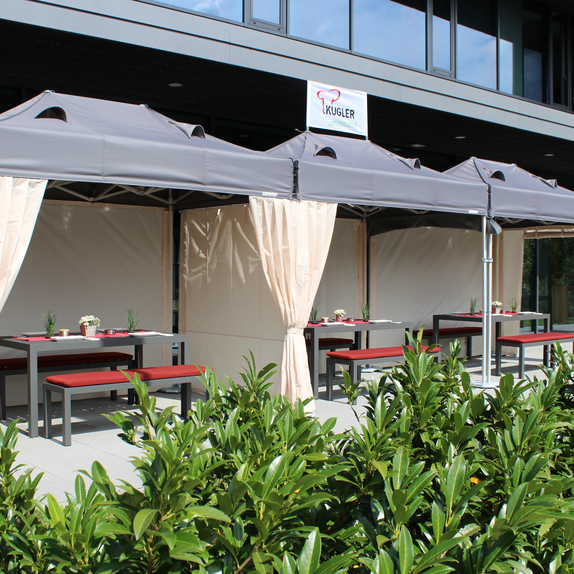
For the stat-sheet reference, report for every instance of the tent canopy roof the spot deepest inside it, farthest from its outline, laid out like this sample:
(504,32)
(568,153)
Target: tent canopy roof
(71,138)
(517,193)
(359,172)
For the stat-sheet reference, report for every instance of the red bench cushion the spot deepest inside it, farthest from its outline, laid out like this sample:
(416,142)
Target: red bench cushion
(453,331)
(110,377)
(330,341)
(376,353)
(536,338)
(61,360)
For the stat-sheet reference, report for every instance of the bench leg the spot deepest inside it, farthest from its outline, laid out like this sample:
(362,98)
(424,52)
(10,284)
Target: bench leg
(67,418)
(47,413)
(521,362)
(2,396)
(469,347)
(330,375)
(548,355)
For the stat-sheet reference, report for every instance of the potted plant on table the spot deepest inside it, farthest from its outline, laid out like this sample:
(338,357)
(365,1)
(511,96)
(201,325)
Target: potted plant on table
(49,323)
(366,312)
(314,316)
(340,313)
(496,307)
(473,306)
(513,305)
(132,319)
(88,325)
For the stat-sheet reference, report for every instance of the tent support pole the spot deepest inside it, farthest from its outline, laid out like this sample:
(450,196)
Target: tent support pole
(486,305)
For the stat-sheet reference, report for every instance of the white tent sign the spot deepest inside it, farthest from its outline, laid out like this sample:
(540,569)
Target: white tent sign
(338,109)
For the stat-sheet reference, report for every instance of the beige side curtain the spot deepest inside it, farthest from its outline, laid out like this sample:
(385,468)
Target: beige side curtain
(293,240)
(20,201)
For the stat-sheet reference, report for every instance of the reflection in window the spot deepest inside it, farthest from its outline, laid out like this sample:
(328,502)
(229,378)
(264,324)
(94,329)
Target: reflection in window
(441,34)
(393,31)
(535,52)
(268,10)
(324,21)
(229,9)
(510,47)
(476,43)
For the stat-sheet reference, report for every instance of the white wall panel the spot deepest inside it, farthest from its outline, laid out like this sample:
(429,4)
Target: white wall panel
(89,259)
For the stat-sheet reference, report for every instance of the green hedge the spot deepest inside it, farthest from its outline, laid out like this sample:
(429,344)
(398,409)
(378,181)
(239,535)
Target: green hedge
(435,478)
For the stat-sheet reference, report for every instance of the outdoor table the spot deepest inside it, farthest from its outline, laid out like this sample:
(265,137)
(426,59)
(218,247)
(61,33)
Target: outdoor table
(317,330)
(497,319)
(43,345)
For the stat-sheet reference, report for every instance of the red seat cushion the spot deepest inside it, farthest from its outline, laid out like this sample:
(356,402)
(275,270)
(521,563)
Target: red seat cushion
(330,341)
(110,377)
(65,360)
(536,337)
(453,331)
(376,353)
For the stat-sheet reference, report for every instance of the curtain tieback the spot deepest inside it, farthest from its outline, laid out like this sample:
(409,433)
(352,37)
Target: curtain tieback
(294,331)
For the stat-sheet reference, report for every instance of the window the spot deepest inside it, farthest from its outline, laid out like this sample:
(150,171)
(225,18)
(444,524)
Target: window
(510,47)
(535,42)
(391,30)
(476,43)
(441,35)
(268,14)
(324,21)
(228,9)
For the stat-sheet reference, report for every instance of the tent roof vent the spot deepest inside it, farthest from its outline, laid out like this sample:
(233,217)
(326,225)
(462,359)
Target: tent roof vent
(190,130)
(328,151)
(497,174)
(412,162)
(553,183)
(55,113)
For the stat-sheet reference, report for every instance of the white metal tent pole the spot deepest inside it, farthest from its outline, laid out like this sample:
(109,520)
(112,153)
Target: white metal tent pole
(486,304)
(484,298)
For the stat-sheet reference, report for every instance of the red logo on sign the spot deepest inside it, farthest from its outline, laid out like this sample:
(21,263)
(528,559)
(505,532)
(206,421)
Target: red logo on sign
(331,97)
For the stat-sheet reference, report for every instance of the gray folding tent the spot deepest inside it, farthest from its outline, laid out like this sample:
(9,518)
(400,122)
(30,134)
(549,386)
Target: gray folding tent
(518,198)
(131,147)
(359,172)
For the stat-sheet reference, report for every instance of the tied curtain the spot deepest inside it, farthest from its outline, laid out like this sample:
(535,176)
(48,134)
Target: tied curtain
(293,240)
(20,201)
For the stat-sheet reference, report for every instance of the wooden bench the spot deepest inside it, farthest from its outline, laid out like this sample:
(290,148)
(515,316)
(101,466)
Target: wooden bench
(56,363)
(530,340)
(81,383)
(455,333)
(355,358)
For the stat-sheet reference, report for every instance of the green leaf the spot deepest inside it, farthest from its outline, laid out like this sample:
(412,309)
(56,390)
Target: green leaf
(142,520)
(208,512)
(406,551)
(309,561)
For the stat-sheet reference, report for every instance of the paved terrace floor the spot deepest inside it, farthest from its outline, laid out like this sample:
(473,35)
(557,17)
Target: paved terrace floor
(95,438)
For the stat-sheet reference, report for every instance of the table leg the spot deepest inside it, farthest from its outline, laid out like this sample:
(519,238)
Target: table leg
(184,358)
(435,330)
(138,353)
(32,392)
(314,362)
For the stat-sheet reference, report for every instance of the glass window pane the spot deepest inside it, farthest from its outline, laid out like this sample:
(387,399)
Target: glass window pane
(268,10)
(391,30)
(559,60)
(229,9)
(476,43)
(441,34)
(510,47)
(535,52)
(325,21)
